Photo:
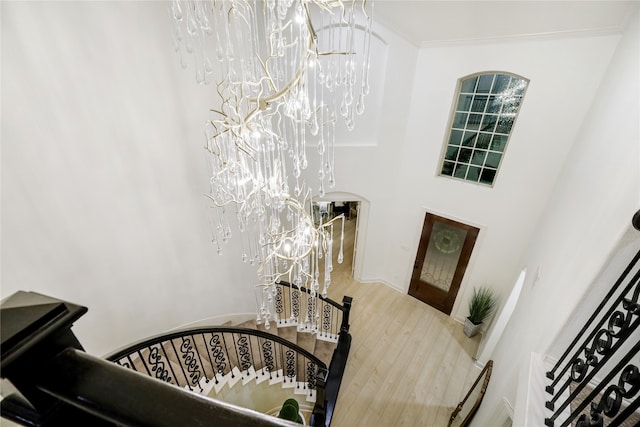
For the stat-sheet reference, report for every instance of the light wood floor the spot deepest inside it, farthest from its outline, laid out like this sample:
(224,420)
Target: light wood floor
(409,364)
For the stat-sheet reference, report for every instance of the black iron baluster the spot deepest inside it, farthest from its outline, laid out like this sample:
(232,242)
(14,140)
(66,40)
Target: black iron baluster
(219,354)
(199,355)
(144,362)
(260,355)
(267,348)
(295,305)
(213,367)
(297,370)
(615,304)
(226,351)
(599,408)
(326,318)
(278,303)
(130,364)
(311,311)
(614,288)
(179,361)
(175,377)
(604,347)
(280,349)
(235,350)
(584,378)
(244,357)
(190,361)
(158,366)
(311,371)
(629,410)
(621,323)
(205,341)
(290,369)
(253,361)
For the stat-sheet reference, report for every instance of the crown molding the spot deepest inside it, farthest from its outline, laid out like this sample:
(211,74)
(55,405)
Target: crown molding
(591,32)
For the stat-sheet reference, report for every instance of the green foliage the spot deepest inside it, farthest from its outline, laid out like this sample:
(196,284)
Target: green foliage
(293,402)
(482,304)
(290,410)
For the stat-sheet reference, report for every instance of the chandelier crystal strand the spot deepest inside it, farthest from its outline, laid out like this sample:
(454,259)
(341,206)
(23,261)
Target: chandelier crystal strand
(285,72)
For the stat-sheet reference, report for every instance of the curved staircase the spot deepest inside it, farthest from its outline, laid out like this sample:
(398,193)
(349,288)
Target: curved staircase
(257,366)
(268,396)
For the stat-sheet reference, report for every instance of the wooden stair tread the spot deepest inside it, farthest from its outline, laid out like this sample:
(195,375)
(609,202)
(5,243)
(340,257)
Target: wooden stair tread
(273,330)
(306,341)
(323,350)
(251,324)
(289,333)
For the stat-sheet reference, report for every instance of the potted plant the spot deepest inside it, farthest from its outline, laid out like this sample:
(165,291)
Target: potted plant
(291,411)
(482,303)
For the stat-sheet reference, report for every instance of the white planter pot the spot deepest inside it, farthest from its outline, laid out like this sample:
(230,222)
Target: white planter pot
(470,328)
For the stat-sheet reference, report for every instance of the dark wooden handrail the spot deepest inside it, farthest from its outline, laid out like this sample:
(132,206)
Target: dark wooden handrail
(308,291)
(157,339)
(125,397)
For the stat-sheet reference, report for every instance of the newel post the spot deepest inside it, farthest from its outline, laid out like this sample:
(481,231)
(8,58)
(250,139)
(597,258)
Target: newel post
(346,304)
(319,415)
(35,328)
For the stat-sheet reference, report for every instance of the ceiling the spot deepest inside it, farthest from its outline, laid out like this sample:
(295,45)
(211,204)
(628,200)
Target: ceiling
(424,22)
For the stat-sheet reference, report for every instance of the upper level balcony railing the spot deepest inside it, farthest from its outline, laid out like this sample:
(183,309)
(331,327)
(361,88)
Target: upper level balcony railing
(596,381)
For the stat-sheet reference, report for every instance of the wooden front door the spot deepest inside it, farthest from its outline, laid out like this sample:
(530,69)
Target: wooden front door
(442,258)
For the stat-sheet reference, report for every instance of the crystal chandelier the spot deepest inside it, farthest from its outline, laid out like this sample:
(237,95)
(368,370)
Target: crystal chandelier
(285,71)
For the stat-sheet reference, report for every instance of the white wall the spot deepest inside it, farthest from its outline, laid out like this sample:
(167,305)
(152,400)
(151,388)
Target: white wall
(564,74)
(370,170)
(590,208)
(103,172)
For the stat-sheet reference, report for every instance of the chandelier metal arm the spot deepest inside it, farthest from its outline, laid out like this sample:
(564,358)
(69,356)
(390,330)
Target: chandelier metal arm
(266,101)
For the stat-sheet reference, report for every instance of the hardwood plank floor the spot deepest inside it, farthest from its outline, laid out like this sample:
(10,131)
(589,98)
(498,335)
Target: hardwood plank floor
(409,363)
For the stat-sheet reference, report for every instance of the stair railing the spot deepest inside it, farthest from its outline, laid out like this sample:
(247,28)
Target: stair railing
(202,359)
(330,322)
(314,313)
(598,377)
(61,385)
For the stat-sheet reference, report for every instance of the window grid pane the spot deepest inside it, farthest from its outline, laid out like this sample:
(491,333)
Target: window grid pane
(486,108)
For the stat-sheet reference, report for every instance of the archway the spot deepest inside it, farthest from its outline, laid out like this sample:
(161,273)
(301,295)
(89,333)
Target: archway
(346,200)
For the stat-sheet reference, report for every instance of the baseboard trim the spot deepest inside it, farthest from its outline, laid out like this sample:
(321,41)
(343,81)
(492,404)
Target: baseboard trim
(218,320)
(386,283)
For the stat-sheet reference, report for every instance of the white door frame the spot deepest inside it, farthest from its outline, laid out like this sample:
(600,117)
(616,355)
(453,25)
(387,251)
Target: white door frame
(361,224)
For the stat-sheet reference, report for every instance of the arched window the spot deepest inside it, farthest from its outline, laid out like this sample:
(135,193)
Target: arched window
(486,109)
